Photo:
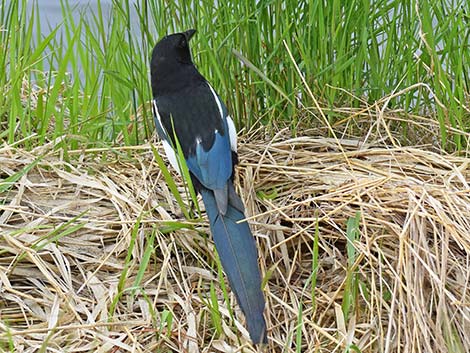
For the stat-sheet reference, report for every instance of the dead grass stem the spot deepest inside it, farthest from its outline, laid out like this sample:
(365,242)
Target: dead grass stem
(67,228)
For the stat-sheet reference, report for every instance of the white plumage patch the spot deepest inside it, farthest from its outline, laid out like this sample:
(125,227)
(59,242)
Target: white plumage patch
(155,112)
(232,132)
(219,104)
(171,155)
(169,151)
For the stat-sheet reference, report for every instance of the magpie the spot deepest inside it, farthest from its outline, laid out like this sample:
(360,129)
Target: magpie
(188,111)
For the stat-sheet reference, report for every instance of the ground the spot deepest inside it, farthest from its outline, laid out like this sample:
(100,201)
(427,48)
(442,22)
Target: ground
(362,246)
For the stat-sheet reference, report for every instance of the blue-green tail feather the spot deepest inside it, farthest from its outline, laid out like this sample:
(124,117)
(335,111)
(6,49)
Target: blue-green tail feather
(239,256)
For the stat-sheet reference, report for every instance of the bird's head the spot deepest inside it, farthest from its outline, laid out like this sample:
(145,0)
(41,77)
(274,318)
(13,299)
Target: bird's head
(171,50)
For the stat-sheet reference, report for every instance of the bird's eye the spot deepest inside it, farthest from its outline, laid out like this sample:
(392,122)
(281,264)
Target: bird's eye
(182,43)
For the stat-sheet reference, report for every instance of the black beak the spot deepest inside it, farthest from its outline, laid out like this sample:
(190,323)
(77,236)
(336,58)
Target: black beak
(188,34)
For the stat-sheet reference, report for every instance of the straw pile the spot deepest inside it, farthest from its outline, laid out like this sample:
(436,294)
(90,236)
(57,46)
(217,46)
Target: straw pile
(75,232)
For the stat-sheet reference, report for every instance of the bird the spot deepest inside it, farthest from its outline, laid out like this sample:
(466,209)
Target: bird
(188,111)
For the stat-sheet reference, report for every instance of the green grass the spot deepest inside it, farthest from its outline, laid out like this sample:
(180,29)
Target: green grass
(351,284)
(347,51)
(350,53)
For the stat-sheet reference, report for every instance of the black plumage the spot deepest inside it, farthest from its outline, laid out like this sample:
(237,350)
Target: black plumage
(186,106)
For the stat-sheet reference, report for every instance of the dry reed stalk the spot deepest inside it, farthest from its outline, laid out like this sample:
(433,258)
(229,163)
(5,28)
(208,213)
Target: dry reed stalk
(66,229)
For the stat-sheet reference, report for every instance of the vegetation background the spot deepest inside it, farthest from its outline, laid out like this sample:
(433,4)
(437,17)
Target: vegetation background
(346,53)
(336,82)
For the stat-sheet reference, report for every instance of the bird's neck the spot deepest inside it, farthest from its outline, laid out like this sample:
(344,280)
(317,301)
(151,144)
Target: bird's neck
(167,80)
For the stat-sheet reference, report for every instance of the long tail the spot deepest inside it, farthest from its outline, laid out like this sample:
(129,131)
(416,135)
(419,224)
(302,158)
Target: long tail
(239,256)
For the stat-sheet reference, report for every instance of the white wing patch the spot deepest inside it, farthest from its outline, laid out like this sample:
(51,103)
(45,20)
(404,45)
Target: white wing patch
(155,112)
(170,153)
(232,132)
(219,105)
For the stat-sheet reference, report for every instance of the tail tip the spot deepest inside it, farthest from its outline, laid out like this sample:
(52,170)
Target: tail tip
(258,333)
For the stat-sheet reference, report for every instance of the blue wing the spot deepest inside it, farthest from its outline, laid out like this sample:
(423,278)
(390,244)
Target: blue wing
(206,135)
(213,167)
(208,140)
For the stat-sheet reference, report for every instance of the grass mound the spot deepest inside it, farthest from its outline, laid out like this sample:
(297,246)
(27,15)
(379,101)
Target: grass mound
(363,248)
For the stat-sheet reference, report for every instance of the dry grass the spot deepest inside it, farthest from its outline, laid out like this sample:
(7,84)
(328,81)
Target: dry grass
(69,230)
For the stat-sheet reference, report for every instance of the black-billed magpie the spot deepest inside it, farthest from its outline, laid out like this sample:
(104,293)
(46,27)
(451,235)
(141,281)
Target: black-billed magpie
(186,106)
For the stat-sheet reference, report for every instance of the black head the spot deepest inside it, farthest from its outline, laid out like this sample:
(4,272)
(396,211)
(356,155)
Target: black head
(171,52)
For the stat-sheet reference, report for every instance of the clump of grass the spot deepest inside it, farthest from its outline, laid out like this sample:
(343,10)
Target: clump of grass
(362,250)
(365,247)
(351,54)
(96,86)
